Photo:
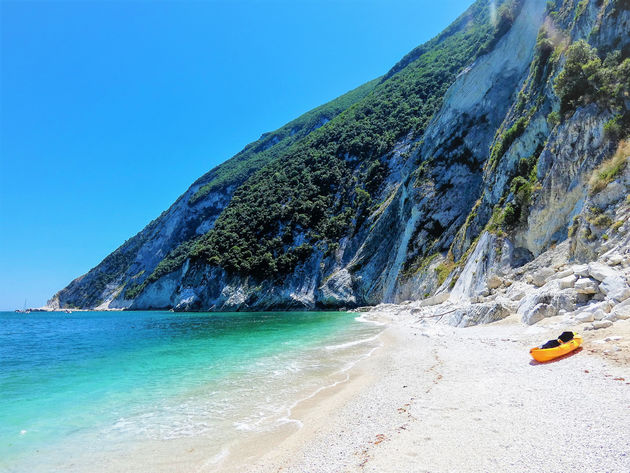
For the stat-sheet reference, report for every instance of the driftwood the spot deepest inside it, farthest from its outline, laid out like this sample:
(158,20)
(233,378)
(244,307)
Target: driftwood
(438,315)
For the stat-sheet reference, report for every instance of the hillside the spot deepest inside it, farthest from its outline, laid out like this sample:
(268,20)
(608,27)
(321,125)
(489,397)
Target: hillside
(481,145)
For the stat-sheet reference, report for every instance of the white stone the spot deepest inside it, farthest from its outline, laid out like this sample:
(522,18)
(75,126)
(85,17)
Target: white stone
(612,317)
(580,270)
(540,277)
(585,286)
(599,314)
(475,314)
(537,313)
(615,260)
(564,273)
(584,317)
(494,282)
(615,287)
(567,281)
(435,300)
(622,312)
(602,324)
(517,295)
(600,271)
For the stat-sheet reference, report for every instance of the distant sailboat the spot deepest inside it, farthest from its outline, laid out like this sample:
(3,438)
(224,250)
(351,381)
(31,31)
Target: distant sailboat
(23,311)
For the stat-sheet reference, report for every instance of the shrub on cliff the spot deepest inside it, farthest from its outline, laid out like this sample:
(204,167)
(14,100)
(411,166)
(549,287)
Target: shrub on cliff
(586,78)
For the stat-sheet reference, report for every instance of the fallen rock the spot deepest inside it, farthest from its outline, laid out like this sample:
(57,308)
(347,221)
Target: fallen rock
(580,270)
(615,260)
(586,286)
(540,277)
(601,324)
(584,317)
(538,312)
(564,273)
(615,287)
(475,314)
(612,317)
(600,271)
(622,311)
(434,300)
(550,295)
(494,282)
(567,281)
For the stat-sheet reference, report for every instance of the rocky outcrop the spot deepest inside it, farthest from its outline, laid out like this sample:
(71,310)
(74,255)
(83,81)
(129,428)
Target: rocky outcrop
(436,233)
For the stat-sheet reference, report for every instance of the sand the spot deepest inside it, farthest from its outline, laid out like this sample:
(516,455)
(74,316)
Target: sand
(435,398)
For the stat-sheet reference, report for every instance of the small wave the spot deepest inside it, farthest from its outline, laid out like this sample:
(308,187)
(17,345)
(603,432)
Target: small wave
(216,459)
(351,344)
(364,319)
(243,426)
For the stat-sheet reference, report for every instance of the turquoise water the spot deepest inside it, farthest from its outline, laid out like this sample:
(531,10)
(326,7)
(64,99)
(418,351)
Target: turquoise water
(73,383)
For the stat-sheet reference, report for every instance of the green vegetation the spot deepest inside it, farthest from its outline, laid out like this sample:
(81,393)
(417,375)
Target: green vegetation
(323,186)
(522,187)
(586,79)
(614,128)
(506,139)
(609,170)
(553,118)
(270,146)
(579,9)
(173,261)
(445,268)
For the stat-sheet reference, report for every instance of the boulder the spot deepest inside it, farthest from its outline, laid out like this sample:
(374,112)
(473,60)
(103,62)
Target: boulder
(494,281)
(615,287)
(601,324)
(615,260)
(586,316)
(540,277)
(564,273)
(586,286)
(622,311)
(580,270)
(601,271)
(537,313)
(612,317)
(434,300)
(550,295)
(475,314)
(567,281)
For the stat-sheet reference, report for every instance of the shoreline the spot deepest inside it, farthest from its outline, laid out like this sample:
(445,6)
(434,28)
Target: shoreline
(439,398)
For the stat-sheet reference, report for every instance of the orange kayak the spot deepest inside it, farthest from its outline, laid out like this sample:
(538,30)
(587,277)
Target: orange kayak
(548,354)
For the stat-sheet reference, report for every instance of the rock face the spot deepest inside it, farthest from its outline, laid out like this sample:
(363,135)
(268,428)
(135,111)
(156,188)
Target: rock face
(491,200)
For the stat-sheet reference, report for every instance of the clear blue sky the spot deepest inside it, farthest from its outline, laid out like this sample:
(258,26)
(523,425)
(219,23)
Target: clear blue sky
(110,110)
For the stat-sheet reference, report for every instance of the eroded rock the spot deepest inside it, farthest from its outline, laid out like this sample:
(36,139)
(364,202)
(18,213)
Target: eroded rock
(586,286)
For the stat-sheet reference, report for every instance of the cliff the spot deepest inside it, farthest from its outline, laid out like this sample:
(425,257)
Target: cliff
(475,158)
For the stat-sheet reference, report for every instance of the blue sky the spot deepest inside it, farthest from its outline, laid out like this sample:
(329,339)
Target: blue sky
(110,110)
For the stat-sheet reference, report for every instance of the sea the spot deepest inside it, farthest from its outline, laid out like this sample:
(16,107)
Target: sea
(103,385)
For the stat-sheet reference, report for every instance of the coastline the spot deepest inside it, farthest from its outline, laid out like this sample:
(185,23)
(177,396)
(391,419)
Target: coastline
(439,398)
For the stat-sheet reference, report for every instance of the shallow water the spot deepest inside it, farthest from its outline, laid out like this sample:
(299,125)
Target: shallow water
(72,384)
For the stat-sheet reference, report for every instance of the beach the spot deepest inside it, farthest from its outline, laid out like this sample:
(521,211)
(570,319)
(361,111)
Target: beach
(435,398)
